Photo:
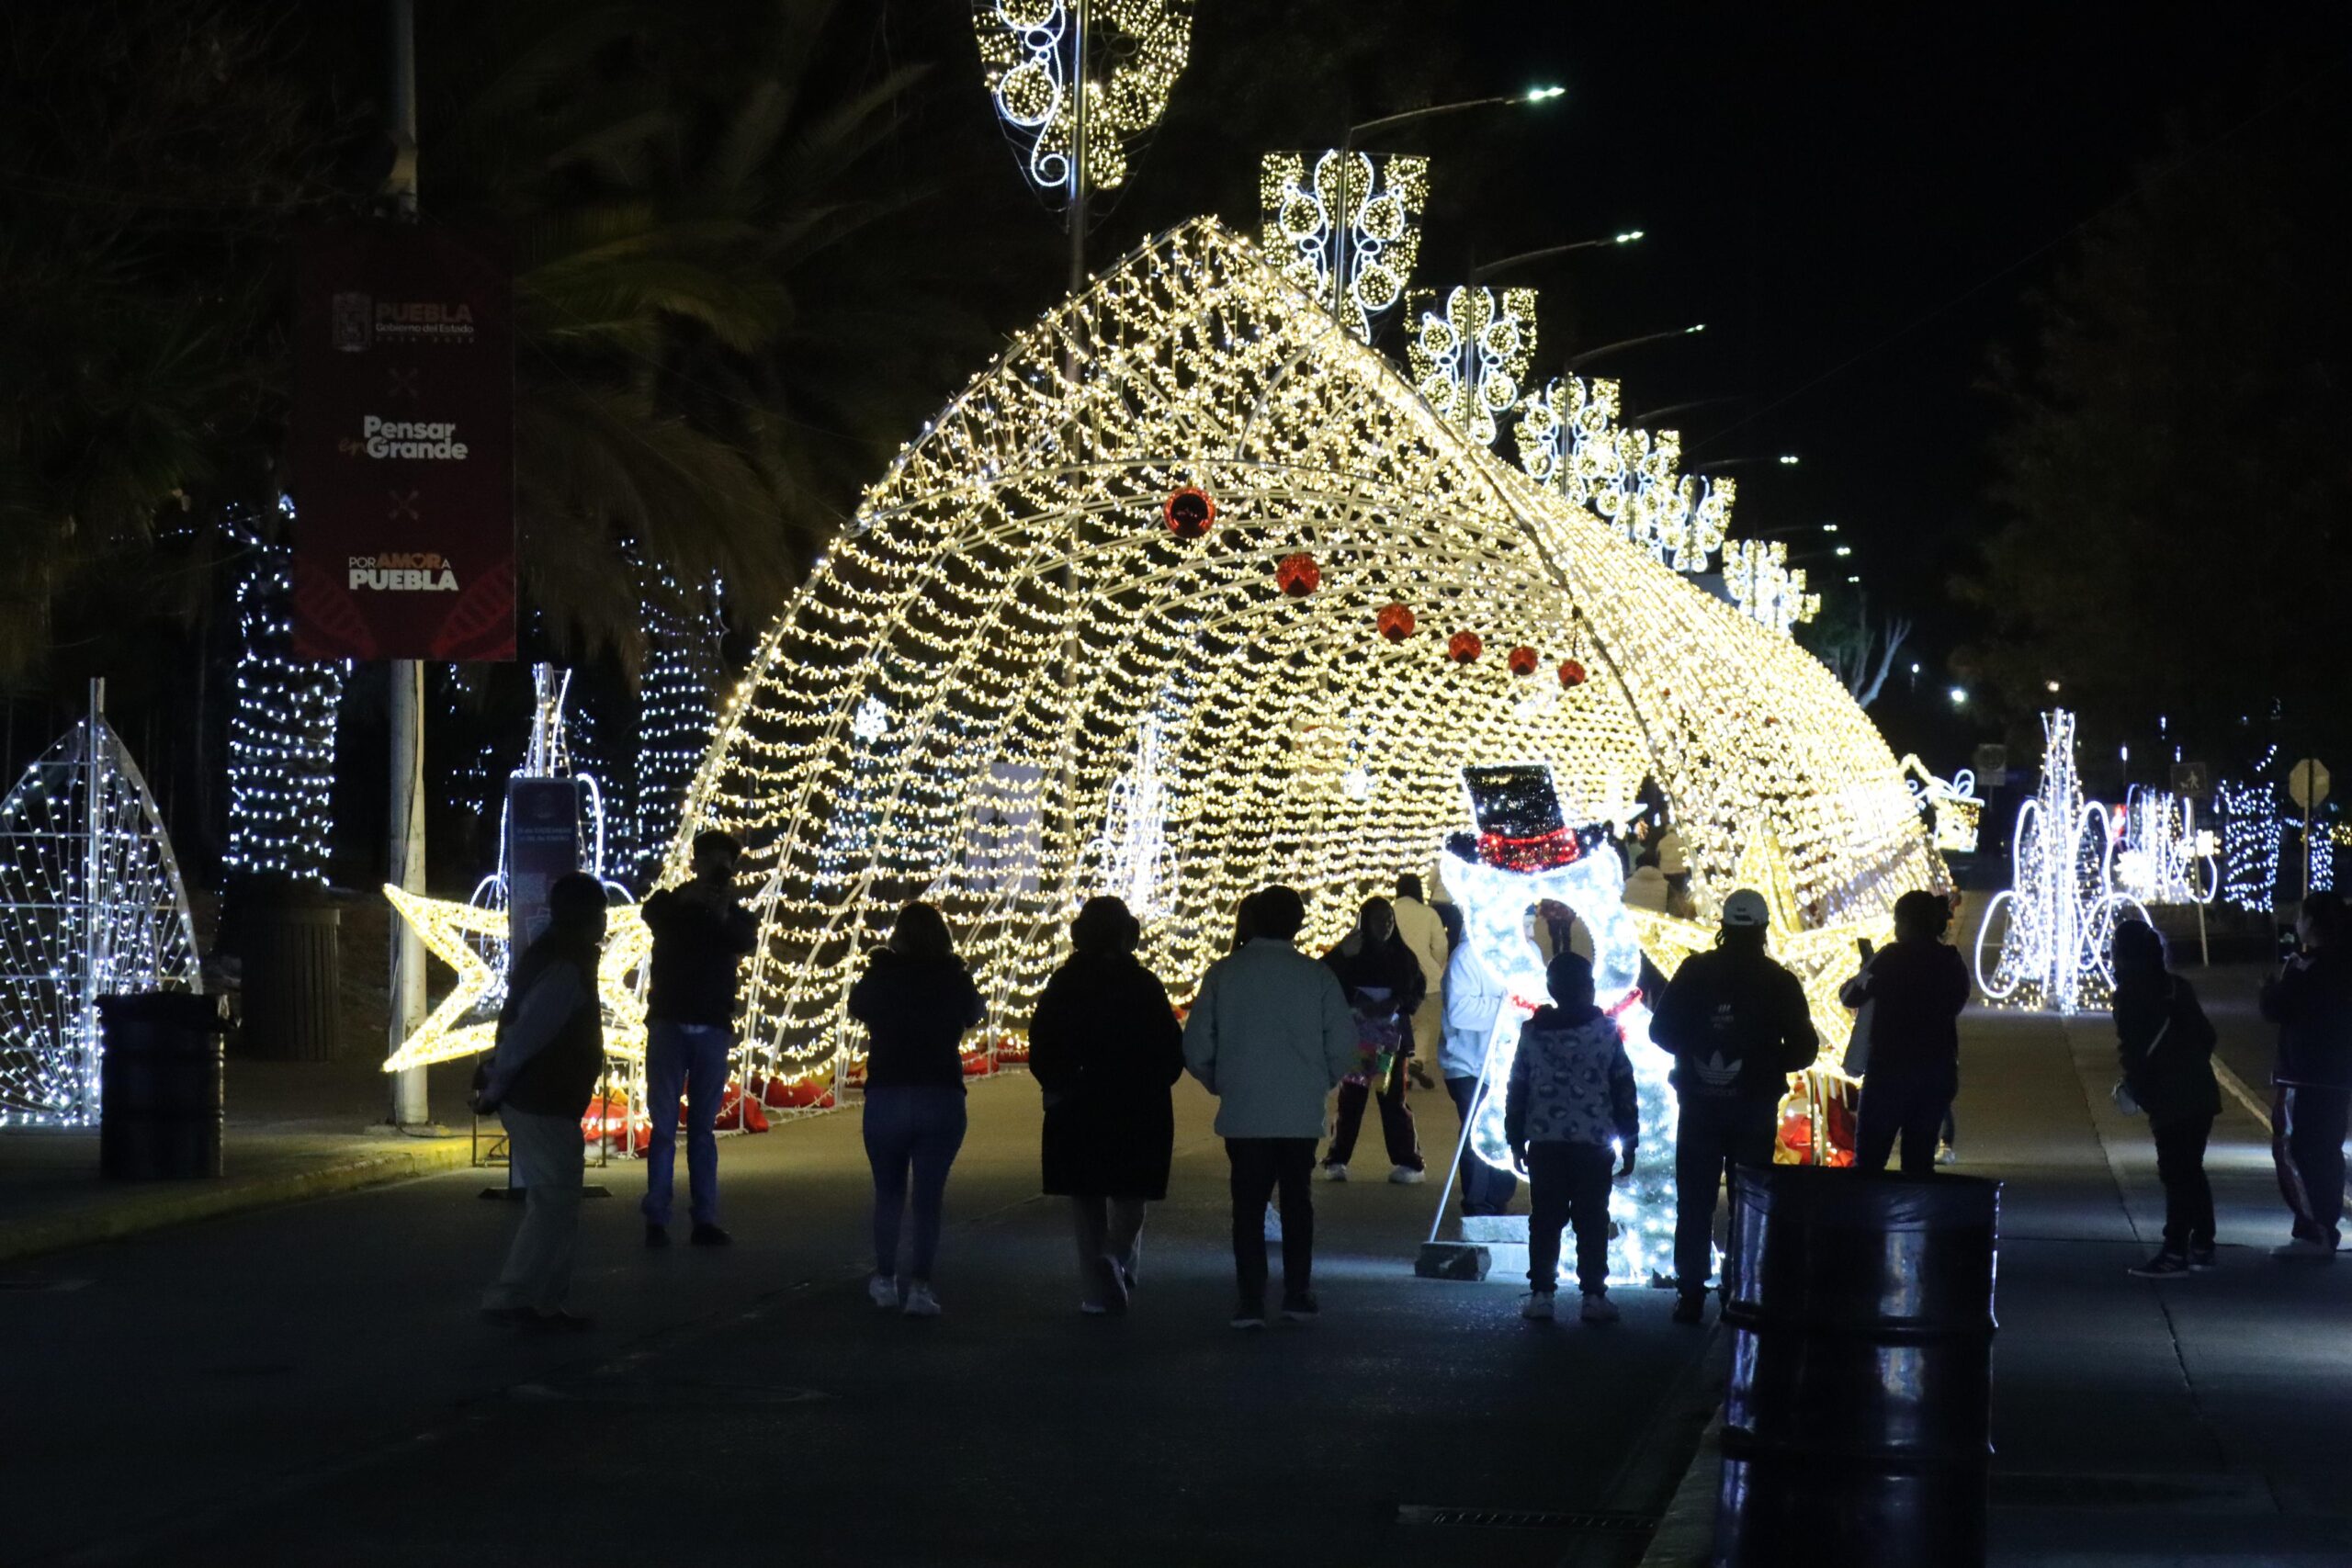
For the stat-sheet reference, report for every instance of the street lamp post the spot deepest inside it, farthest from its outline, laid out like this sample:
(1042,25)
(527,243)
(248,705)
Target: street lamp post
(1480,273)
(1590,354)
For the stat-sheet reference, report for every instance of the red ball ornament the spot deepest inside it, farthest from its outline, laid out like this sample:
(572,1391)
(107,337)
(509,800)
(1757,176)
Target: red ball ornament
(1189,512)
(1523,659)
(1571,673)
(1395,621)
(1464,647)
(1298,575)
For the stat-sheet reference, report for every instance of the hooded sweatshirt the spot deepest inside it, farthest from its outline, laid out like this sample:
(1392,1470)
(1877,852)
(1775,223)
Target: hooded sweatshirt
(1570,1082)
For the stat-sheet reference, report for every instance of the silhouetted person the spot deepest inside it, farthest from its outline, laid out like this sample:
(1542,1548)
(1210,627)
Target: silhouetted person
(1422,930)
(1104,1046)
(1571,1097)
(916,1001)
(2311,1001)
(2165,1048)
(1383,982)
(1474,1002)
(701,936)
(1915,989)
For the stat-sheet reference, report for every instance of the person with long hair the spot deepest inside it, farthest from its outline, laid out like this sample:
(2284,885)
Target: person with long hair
(539,1080)
(1104,1047)
(1913,990)
(2165,1048)
(916,999)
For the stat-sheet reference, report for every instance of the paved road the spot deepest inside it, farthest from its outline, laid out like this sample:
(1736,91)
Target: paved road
(310,1386)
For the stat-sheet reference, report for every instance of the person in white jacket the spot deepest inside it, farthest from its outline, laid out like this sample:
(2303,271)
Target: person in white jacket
(1270,1035)
(1423,933)
(1474,1000)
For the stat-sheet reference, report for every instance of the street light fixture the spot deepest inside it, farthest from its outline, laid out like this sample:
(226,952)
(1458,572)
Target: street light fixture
(1590,354)
(1480,273)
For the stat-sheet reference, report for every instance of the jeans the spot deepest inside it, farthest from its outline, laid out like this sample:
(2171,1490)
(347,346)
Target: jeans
(1262,1166)
(1106,1228)
(1484,1190)
(916,1128)
(2307,1145)
(1712,1138)
(1910,1106)
(548,1154)
(1396,1122)
(694,1055)
(1569,1183)
(2189,1197)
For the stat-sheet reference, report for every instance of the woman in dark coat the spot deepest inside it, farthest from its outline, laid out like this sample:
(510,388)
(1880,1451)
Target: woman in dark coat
(2165,1047)
(1104,1047)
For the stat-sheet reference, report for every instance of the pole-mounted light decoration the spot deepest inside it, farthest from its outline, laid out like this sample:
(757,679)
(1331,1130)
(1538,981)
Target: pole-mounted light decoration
(2056,919)
(281,736)
(1355,217)
(1134,50)
(1470,360)
(1766,588)
(90,905)
(1569,441)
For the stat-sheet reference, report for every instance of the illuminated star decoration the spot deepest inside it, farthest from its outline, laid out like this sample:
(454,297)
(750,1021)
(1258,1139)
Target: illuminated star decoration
(1767,589)
(459,1028)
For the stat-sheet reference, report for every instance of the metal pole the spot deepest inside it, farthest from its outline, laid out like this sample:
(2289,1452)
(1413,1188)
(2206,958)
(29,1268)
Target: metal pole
(94,913)
(1078,182)
(404,840)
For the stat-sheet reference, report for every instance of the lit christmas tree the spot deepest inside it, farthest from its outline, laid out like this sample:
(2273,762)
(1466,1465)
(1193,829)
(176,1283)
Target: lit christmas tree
(678,703)
(281,737)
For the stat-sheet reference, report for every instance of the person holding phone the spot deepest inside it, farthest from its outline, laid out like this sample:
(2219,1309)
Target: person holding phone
(2311,1001)
(1912,994)
(1383,982)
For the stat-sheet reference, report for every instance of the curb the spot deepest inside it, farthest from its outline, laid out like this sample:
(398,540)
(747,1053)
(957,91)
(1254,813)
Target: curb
(155,1207)
(1686,1531)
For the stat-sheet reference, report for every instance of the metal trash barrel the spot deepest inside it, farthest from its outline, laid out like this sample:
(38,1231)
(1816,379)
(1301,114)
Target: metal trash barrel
(1857,1425)
(290,938)
(159,1086)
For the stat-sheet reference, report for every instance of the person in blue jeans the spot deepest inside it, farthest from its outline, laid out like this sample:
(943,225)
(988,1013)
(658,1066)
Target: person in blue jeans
(916,999)
(701,936)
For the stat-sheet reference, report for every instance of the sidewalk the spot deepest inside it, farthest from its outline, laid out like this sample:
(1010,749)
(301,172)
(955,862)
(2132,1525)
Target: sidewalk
(293,1130)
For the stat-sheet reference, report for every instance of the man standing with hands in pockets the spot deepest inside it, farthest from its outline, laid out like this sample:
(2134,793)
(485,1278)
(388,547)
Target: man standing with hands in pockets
(701,934)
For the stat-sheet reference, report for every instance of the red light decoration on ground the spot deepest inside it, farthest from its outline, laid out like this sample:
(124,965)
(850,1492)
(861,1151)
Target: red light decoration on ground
(1298,575)
(1464,647)
(1395,621)
(1189,512)
(1571,674)
(1521,659)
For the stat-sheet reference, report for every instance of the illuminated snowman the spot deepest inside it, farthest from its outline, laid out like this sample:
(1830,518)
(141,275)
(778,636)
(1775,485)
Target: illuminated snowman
(1522,856)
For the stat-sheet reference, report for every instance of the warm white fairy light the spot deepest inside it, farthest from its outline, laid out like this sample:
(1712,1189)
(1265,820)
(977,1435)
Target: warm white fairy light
(1953,804)
(1135,51)
(949,608)
(2057,916)
(1470,359)
(465,1022)
(282,731)
(2158,860)
(1765,587)
(1569,441)
(90,905)
(1379,194)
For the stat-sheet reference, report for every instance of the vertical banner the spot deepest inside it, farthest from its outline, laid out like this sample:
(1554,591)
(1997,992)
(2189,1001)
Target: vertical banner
(542,844)
(403,446)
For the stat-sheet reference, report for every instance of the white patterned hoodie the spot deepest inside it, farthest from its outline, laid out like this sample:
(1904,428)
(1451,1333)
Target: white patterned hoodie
(1570,1083)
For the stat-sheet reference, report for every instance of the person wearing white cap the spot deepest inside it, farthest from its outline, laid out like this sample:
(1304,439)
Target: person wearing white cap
(1738,1025)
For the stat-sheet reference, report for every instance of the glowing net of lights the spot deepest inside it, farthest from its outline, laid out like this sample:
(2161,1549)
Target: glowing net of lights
(1953,804)
(906,730)
(90,905)
(1765,587)
(2057,917)
(1025,53)
(1569,441)
(1470,359)
(2163,857)
(2252,834)
(1380,194)
(282,732)
(678,699)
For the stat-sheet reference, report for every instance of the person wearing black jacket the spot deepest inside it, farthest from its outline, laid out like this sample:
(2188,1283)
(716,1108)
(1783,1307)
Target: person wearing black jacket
(701,935)
(2311,1001)
(539,1079)
(1916,990)
(1104,1047)
(2165,1047)
(916,1001)
(1383,982)
(1738,1025)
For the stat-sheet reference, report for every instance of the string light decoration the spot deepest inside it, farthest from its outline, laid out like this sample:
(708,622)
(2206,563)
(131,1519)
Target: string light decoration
(2252,837)
(2164,857)
(1132,855)
(1765,587)
(1569,441)
(90,905)
(1028,56)
(1470,361)
(1380,196)
(282,731)
(2057,916)
(465,1022)
(992,545)
(678,702)
(1952,804)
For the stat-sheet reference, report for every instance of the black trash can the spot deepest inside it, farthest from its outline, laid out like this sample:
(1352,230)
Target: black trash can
(1859,1422)
(290,938)
(159,1086)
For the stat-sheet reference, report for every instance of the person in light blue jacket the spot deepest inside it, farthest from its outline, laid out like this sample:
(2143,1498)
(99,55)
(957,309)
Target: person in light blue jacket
(1270,1035)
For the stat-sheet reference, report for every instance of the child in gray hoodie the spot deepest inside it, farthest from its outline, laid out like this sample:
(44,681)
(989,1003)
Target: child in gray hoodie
(1571,1096)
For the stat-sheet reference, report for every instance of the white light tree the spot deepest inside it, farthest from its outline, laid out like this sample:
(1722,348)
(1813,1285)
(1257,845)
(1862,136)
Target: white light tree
(282,733)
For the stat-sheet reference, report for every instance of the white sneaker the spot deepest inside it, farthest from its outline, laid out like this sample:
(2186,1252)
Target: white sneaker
(1405,1176)
(1537,1307)
(883,1291)
(1947,1155)
(1599,1308)
(921,1302)
(2302,1251)
(1330,1172)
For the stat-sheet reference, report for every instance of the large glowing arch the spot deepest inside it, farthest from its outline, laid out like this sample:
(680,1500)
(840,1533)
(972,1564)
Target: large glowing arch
(949,706)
